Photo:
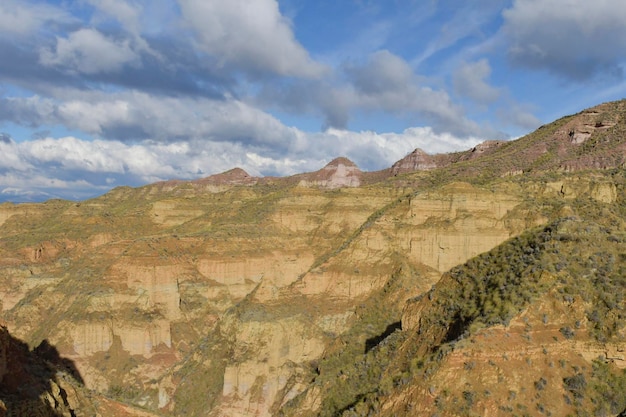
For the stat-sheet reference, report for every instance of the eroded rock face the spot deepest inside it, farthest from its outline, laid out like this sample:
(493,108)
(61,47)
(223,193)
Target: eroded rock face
(144,304)
(457,223)
(267,359)
(418,160)
(340,172)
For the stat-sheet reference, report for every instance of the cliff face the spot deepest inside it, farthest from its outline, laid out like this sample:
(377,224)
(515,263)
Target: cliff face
(312,295)
(113,302)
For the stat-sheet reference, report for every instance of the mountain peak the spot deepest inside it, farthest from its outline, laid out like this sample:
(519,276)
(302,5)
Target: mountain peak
(418,160)
(340,172)
(342,160)
(235,176)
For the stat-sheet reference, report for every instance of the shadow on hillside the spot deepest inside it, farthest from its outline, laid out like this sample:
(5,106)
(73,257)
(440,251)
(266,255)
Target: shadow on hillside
(28,376)
(372,342)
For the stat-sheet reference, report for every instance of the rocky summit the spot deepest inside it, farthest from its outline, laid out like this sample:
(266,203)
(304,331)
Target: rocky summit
(487,282)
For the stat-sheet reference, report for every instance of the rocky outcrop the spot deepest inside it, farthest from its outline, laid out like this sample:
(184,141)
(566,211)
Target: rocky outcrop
(214,183)
(418,160)
(340,172)
(235,176)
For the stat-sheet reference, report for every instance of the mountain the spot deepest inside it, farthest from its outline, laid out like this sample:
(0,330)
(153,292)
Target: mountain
(338,173)
(483,282)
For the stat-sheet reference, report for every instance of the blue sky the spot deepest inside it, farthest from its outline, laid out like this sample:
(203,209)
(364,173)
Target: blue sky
(96,94)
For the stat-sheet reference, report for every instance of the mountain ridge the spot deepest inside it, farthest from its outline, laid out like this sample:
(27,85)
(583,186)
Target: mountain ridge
(568,144)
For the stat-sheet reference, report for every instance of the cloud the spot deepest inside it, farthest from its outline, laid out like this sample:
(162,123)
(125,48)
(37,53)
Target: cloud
(375,151)
(252,37)
(19,18)
(384,72)
(88,51)
(133,115)
(386,82)
(518,115)
(127,13)
(576,39)
(469,81)
(5,138)
(12,159)
(383,83)
(467,21)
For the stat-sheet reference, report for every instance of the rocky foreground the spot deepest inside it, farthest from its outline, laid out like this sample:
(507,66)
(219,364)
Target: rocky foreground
(485,282)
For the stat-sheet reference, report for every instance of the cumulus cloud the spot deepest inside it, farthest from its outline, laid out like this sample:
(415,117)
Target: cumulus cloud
(469,81)
(573,38)
(375,151)
(250,36)
(12,159)
(134,115)
(386,82)
(88,51)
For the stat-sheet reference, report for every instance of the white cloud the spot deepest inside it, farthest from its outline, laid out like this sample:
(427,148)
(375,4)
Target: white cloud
(574,38)
(12,183)
(135,115)
(93,117)
(469,81)
(251,36)
(75,154)
(374,151)
(18,18)
(88,51)
(11,158)
(130,15)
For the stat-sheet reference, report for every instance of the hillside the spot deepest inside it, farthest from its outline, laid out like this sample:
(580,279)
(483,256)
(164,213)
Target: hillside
(484,282)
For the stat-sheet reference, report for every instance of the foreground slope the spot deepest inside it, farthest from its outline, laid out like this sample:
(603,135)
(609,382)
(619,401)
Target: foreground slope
(235,295)
(537,326)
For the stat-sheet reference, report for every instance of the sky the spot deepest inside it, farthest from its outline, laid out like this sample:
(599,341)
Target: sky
(96,94)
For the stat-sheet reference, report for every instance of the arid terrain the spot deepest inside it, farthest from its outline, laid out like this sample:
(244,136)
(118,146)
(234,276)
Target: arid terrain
(489,282)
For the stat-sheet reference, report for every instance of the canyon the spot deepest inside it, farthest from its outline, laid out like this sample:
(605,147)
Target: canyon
(483,282)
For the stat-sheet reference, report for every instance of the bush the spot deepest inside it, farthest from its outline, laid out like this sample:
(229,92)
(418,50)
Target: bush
(567,332)
(576,384)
